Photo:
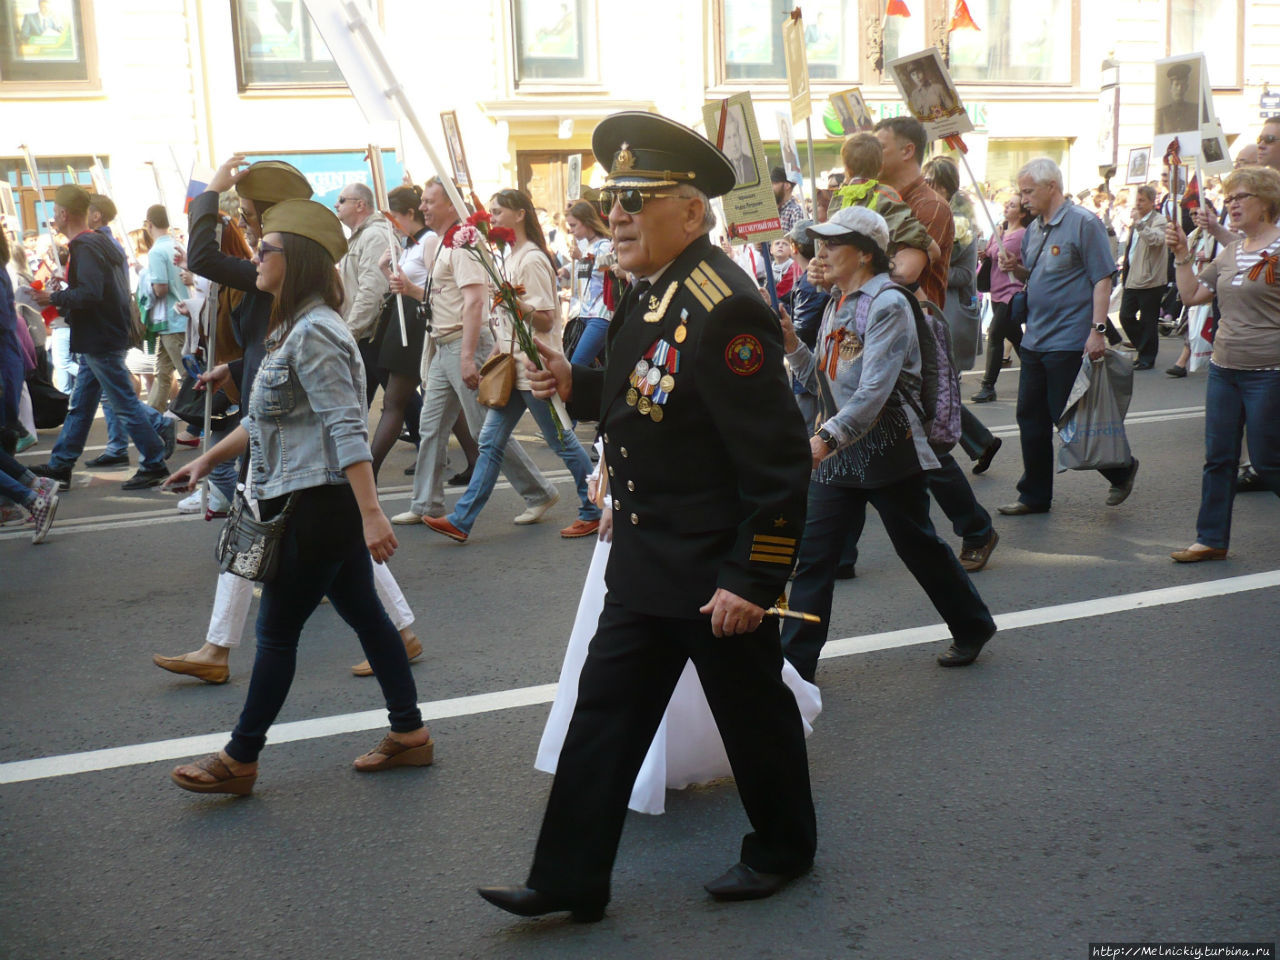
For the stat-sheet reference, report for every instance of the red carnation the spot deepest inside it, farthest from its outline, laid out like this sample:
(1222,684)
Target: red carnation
(479,217)
(448,234)
(504,236)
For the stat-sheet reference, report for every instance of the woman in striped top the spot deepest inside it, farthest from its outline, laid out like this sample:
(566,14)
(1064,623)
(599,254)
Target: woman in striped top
(1244,372)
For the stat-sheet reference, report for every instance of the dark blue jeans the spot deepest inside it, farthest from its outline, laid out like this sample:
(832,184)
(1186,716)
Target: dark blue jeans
(105,375)
(1236,399)
(904,511)
(1045,384)
(324,555)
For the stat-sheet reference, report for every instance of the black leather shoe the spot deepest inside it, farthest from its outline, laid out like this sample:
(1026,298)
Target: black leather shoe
(461,479)
(1143,364)
(1177,372)
(846,571)
(524,902)
(961,654)
(1249,481)
(740,882)
(146,478)
(1120,493)
(985,395)
(108,460)
(61,474)
(987,455)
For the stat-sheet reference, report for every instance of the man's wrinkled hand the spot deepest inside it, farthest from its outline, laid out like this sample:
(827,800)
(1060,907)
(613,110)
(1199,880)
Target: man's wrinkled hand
(731,614)
(556,375)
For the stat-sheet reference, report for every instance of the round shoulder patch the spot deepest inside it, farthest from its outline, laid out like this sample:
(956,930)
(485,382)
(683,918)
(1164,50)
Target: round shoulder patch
(744,355)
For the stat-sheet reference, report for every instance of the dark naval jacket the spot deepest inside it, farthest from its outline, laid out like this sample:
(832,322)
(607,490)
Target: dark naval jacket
(96,299)
(708,459)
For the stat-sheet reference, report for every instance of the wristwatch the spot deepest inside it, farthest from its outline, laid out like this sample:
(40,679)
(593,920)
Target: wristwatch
(825,436)
(1100,327)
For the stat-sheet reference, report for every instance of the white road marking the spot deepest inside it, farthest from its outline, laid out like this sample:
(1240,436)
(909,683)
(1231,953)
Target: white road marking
(19,771)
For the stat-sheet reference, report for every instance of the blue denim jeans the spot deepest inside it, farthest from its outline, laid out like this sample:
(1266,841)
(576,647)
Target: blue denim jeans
(15,480)
(1236,399)
(104,374)
(591,343)
(835,513)
(118,434)
(497,429)
(62,361)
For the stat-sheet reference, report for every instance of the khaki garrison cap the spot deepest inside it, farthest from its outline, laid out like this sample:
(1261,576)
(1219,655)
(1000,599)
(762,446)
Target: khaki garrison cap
(306,218)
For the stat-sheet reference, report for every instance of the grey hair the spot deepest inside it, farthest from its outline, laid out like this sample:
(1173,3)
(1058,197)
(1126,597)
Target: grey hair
(708,214)
(362,193)
(1042,170)
(1148,191)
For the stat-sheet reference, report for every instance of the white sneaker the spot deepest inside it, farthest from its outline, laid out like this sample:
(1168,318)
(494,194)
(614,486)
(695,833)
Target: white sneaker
(218,503)
(537,511)
(190,504)
(406,518)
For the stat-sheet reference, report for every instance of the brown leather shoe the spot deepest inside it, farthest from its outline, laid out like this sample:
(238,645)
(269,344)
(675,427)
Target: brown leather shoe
(412,647)
(1191,555)
(1020,509)
(442,526)
(580,528)
(208,672)
(974,559)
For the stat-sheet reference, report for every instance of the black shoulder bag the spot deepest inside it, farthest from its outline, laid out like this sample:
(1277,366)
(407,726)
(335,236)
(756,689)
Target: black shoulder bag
(1018,306)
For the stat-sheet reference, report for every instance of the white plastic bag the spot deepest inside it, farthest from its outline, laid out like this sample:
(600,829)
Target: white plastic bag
(1091,427)
(1198,318)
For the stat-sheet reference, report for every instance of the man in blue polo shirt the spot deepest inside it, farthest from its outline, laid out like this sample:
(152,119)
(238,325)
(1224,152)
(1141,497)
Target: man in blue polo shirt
(1067,266)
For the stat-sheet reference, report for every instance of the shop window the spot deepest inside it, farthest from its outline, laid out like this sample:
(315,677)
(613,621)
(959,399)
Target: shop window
(47,42)
(278,45)
(1018,42)
(554,40)
(1006,157)
(1192,21)
(752,39)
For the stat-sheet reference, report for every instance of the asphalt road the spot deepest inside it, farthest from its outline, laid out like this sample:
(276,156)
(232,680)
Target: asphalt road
(1106,772)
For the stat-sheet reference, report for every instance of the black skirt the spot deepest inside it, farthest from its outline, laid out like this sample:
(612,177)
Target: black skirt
(393,356)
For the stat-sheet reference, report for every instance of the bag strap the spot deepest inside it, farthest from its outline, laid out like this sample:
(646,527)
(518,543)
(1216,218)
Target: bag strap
(1044,242)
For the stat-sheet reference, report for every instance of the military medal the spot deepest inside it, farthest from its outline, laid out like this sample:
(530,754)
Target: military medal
(644,405)
(681,332)
(667,383)
(642,367)
(632,397)
(654,376)
(656,413)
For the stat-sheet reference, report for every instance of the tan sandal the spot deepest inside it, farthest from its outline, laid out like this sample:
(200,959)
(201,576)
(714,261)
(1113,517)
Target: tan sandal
(224,780)
(396,754)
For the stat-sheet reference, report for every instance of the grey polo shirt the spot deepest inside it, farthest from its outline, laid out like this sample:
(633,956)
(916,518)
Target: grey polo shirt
(1076,255)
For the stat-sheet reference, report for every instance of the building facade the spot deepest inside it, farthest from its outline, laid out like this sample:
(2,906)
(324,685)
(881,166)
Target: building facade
(156,89)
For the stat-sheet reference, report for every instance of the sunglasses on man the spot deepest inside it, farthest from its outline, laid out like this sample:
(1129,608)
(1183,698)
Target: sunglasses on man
(631,199)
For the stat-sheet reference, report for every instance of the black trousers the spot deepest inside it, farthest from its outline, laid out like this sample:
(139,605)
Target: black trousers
(1043,388)
(834,513)
(1001,329)
(1140,318)
(631,669)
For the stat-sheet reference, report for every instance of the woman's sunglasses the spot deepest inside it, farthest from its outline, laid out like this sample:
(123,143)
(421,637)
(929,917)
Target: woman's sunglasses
(265,248)
(631,199)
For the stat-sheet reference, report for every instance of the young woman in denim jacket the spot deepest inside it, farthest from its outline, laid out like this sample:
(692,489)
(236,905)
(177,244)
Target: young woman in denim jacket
(308,438)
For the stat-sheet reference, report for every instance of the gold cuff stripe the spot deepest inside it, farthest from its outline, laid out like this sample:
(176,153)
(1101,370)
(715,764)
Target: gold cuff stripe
(786,541)
(702,297)
(770,558)
(714,278)
(765,548)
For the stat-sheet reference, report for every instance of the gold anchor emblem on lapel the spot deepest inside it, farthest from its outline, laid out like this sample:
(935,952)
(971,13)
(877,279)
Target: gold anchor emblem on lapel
(657,309)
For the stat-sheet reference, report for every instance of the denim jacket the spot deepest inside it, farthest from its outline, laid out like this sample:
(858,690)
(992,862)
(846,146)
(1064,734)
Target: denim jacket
(307,419)
(867,368)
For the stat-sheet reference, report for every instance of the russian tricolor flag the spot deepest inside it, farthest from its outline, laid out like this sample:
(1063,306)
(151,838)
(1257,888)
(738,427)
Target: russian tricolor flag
(198,184)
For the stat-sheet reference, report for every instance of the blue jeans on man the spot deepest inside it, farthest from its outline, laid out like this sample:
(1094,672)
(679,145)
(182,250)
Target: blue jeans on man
(1235,399)
(498,427)
(104,375)
(118,434)
(1043,388)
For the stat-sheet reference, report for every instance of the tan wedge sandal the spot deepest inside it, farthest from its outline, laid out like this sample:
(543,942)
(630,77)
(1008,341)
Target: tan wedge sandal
(396,754)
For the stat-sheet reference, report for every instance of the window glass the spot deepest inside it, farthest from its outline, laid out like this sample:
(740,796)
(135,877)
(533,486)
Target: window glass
(1006,157)
(904,35)
(277,44)
(552,40)
(42,41)
(753,39)
(1191,21)
(1017,42)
